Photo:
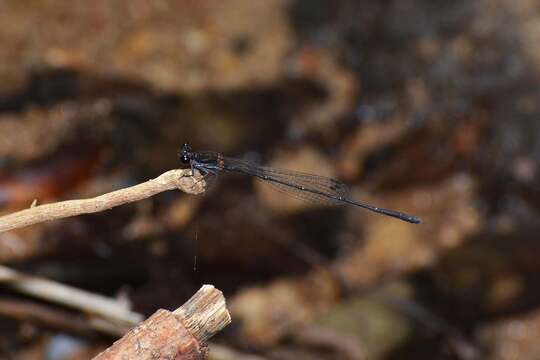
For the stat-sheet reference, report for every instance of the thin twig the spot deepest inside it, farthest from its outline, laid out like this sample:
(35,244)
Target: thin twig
(181,179)
(59,319)
(68,296)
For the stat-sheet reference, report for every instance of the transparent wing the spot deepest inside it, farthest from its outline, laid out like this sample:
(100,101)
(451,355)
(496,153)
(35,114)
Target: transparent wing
(302,195)
(308,187)
(303,186)
(327,186)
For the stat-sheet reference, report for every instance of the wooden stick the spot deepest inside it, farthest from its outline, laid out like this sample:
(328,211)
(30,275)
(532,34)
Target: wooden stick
(68,296)
(179,335)
(62,320)
(181,179)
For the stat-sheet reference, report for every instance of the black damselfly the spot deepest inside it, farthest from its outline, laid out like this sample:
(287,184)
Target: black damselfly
(308,187)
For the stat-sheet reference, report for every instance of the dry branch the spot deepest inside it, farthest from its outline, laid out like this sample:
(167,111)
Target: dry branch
(69,296)
(181,179)
(180,335)
(63,320)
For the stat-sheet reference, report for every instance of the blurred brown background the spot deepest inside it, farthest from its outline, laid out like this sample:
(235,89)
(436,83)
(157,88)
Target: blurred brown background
(426,106)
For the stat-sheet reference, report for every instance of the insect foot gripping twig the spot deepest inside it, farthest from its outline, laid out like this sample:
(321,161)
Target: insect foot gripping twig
(179,335)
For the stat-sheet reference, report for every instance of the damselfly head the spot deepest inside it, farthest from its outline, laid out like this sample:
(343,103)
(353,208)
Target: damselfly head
(185,153)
